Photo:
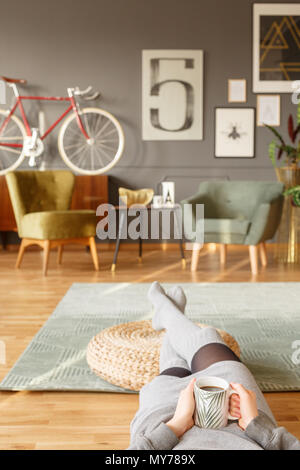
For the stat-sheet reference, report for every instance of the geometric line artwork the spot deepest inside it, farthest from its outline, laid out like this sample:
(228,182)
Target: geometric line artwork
(276,47)
(279,40)
(56,357)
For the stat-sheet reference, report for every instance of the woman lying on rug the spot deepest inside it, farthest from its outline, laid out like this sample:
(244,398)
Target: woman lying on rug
(165,422)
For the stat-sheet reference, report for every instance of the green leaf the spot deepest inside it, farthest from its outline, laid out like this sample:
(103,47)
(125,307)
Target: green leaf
(296,131)
(292,190)
(289,149)
(276,133)
(295,193)
(272,152)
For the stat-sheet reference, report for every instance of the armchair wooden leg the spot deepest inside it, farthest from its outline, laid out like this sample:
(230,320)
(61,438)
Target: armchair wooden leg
(94,253)
(223,254)
(21,252)
(140,250)
(47,246)
(195,256)
(253,252)
(60,250)
(263,254)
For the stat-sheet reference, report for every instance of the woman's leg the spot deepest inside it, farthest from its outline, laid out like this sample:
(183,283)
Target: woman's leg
(210,354)
(170,363)
(202,348)
(185,337)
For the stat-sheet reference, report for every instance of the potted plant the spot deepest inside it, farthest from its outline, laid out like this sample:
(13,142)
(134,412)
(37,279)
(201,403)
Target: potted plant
(289,173)
(294,192)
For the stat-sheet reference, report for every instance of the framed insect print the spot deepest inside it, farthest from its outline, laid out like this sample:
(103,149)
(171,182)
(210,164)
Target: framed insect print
(172,95)
(234,132)
(276,46)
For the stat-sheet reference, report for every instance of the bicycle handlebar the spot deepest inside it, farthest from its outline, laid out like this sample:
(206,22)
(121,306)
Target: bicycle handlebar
(85,92)
(82,92)
(92,97)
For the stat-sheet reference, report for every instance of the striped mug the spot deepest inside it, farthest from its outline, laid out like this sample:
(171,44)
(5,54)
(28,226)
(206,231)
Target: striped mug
(212,402)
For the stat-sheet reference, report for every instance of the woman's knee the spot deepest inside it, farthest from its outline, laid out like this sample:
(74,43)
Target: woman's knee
(212,335)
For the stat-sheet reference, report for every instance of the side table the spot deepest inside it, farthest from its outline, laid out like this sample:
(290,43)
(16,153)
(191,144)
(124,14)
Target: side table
(124,215)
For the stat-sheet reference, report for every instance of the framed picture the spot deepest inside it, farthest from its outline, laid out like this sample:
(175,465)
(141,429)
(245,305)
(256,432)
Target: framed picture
(235,132)
(276,44)
(268,110)
(172,95)
(237,90)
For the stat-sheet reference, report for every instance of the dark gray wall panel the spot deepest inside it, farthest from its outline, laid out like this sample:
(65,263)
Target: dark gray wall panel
(99,42)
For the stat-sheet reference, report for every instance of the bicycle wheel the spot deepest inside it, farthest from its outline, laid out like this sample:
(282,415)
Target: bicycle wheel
(14,132)
(98,154)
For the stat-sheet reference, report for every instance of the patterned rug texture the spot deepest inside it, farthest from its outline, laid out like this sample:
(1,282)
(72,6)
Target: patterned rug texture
(263,317)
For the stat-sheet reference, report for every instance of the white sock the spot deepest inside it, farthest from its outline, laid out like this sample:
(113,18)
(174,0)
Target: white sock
(184,336)
(168,356)
(178,297)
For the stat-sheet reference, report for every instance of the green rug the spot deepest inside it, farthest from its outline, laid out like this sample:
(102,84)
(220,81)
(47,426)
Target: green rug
(263,317)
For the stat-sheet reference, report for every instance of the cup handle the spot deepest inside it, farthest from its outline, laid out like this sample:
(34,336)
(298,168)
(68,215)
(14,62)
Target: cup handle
(232,418)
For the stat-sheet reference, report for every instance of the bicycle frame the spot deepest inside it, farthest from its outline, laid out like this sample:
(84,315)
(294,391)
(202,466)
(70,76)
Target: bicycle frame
(19,104)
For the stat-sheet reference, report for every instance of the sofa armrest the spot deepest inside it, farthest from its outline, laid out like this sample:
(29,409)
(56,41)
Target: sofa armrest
(265,222)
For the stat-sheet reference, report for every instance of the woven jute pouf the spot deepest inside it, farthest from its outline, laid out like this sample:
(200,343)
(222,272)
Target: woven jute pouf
(127,355)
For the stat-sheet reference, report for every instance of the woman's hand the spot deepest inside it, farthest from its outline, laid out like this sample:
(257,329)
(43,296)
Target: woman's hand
(234,406)
(246,402)
(183,418)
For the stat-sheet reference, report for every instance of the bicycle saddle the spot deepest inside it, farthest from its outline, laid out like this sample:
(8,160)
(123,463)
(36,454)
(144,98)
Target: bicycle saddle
(13,80)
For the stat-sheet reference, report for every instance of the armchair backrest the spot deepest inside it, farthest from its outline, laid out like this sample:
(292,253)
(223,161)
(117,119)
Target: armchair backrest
(237,199)
(38,191)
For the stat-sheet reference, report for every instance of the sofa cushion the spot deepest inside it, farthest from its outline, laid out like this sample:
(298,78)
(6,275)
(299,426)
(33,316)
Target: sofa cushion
(226,226)
(224,238)
(55,225)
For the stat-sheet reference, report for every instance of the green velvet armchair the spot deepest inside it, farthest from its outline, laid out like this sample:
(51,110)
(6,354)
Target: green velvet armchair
(236,212)
(41,202)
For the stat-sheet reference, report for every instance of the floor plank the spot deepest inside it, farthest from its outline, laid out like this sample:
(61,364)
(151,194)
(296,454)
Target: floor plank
(52,420)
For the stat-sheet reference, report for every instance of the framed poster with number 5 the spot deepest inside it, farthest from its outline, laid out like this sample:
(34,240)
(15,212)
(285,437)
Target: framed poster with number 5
(172,101)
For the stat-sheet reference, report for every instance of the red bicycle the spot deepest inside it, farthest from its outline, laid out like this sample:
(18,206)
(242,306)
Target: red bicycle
(90,140)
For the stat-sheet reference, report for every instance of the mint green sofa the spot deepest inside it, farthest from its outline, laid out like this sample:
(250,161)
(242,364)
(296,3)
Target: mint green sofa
(236,212)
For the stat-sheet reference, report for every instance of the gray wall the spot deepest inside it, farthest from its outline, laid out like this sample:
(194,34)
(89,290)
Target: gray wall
(60,43)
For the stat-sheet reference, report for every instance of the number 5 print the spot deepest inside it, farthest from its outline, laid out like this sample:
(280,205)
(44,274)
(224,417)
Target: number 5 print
(172,95)
(189,92)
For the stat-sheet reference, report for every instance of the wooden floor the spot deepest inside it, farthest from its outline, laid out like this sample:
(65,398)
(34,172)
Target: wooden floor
(51,420)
